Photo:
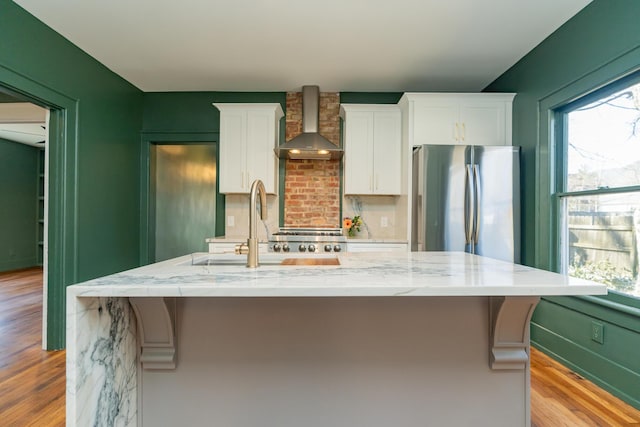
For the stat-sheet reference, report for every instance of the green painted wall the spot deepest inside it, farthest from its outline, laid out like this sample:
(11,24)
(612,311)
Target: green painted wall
(599,44)
(18,210)
(370,97)
(193,112)
(94,188)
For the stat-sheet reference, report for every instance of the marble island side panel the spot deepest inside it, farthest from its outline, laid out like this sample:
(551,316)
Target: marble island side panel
(101,362)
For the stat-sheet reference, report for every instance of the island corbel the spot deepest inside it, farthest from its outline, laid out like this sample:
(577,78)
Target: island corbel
(509,333)
(157,328)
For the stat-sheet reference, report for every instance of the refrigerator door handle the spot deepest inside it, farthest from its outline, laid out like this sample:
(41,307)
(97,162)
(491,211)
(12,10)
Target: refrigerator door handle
(469,204)
(478,202)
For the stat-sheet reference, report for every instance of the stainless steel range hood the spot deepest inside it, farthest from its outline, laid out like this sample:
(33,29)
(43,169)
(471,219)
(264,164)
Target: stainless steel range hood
(309,144)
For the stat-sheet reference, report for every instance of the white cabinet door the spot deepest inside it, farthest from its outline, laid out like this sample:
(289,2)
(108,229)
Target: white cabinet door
(482,122)
(387,153)
(358,153)
(436,122)
(458,118)
(373,149)
(248,135)
(261,159)
(232,147)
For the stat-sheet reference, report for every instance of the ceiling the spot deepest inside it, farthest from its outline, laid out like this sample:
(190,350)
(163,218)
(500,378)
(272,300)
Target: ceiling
(280,45)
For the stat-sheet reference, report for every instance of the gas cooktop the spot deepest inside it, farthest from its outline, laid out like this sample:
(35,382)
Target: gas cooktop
(312,240)
(291,231)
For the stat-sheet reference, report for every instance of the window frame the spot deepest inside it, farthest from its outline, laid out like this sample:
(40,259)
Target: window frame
(559,193)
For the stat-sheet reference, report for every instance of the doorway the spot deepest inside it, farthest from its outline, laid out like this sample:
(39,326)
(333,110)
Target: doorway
(58,238)
(23,188)
(183,180)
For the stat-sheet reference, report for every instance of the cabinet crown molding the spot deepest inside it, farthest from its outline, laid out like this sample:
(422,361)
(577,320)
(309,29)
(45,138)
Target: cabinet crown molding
(277,108)
(418,96)
(345,108)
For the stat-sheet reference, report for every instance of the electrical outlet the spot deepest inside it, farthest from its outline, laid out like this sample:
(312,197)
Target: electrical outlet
(384,221)
(231,221)
(597,332)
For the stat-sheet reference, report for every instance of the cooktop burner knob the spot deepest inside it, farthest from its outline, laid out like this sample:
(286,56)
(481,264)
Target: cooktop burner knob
(302,248)
(337,248)
(285,248)
(312,248)
(327,248)
(276,247)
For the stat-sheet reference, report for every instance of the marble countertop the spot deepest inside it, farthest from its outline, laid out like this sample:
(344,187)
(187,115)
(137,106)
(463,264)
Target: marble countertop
(358,275)
(365,240)
(224,239)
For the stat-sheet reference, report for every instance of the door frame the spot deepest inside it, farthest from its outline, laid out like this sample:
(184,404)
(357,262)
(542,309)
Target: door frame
(61,258)
(147,222)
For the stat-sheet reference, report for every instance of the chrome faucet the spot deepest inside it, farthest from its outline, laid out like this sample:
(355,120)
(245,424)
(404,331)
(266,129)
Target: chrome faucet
(251,247)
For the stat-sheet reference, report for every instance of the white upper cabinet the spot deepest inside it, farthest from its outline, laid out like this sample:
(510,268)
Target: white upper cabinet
(248,135)
(372,149)
(458,118)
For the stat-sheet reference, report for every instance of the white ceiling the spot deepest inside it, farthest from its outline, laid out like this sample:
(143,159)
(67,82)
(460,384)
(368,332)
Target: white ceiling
(280,45)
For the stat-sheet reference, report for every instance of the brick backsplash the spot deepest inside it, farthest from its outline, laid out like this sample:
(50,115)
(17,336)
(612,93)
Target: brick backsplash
(312,187)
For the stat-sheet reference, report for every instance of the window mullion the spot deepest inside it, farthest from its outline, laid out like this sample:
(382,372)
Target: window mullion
(559,252)
(599,191)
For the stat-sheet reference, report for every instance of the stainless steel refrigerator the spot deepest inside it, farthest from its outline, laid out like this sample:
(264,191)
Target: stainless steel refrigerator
(467,198)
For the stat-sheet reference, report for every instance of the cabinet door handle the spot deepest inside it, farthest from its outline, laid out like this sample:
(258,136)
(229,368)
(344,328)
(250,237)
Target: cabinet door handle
(464,131)
(377,181)
(457,132)
(242,174)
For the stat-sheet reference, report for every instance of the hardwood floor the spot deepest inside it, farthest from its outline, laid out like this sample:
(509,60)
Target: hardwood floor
(560,397)
(32,381)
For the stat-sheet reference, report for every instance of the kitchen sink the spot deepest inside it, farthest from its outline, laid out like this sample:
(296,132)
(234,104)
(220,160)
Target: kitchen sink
(230,259)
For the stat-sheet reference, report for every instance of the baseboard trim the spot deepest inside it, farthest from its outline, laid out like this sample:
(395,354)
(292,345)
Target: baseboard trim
(18,264)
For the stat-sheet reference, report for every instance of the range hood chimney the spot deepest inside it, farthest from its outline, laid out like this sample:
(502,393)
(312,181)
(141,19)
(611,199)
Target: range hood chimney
(309,144)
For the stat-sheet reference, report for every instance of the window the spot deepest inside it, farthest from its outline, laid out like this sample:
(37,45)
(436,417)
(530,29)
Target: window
(599,186)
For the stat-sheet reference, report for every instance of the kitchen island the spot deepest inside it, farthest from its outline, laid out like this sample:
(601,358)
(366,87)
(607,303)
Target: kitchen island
(402,339)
